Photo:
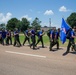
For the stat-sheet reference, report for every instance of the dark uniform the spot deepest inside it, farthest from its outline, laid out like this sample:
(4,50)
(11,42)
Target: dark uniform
(8,38)
(1,37)
(16,38)
(57,39)
(33,38)
(71,41)
(40,38)
(54,39)
(27,38)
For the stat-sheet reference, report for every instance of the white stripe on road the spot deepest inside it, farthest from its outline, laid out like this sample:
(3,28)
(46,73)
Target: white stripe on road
(25,54)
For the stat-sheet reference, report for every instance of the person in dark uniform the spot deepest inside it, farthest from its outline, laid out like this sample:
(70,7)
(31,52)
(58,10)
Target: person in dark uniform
(8,37)
(75,30)
(57,38)
(58,31)
(71,41)
(54,38)
(40,38)
(3,36)
(48,33)
(27,36)
(33,38)
(16,38)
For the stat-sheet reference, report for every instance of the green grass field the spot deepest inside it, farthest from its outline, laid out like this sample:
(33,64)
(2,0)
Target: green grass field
(45,39)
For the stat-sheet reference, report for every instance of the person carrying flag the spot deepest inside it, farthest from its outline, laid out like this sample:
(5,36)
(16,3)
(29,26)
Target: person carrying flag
(71,41)
(67,33)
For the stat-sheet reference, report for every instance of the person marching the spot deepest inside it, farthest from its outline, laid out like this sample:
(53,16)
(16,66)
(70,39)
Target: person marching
(16,38)
(1,41)
(3,36)
(54,38)
(71,41)
(27,36)
(57,33)
(8,37)
(33,38)
(52,34)
(75,30)
(40,38)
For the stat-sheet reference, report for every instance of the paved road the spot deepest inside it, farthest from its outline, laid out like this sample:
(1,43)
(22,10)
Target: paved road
(25,61)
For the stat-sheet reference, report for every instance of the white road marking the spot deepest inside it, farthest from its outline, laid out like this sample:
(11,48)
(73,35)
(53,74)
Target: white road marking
(25,54)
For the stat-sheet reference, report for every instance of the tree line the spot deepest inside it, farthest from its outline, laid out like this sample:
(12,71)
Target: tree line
(23,24)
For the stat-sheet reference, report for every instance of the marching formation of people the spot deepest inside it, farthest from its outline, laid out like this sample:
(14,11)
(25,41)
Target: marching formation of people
(6,38)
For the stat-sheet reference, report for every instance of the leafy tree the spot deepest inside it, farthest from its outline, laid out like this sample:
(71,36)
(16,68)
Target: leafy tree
(12,23)
(36,23)
(2,26)
(72,20)
(24,24)
(19,24)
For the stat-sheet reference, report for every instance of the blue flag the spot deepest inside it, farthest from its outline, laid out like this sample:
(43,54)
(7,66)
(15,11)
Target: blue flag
(64,28)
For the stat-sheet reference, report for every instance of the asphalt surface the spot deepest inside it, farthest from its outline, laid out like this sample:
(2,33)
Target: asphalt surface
(25,61)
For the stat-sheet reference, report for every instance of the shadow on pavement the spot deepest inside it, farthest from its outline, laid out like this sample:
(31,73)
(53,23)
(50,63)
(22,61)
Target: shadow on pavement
(73,52)
(65,53)
(68,52)
(55,49)
(42,47)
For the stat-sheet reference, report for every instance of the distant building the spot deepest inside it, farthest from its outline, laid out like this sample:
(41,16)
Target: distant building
(45,28)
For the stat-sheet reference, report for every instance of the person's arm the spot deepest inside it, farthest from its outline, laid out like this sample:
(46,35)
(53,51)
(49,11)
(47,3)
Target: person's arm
(73,36)
(15,33)
(7,34)
(26,34)
(43,33)
(40,33)
(33,33)
(51,36)
(56,36)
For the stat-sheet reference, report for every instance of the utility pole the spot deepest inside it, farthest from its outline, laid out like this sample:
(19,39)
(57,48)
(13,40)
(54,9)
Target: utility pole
(49,23)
